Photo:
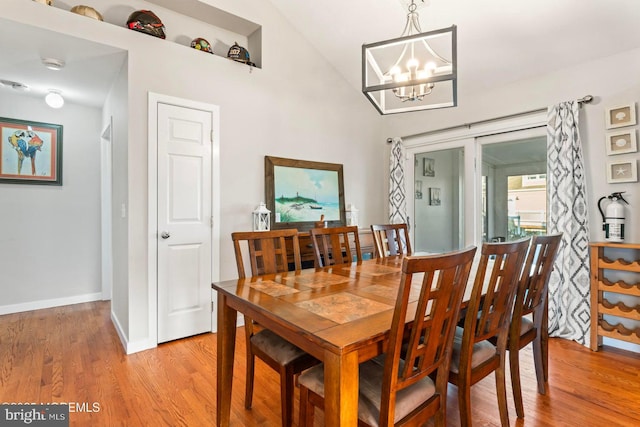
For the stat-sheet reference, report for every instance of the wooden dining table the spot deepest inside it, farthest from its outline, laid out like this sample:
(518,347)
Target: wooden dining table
(341,315)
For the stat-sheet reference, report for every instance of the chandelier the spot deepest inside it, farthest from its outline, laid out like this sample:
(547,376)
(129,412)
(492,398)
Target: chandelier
(416,71)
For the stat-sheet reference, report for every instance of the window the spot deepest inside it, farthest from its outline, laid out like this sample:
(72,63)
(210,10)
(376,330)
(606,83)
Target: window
(534,180)
(517,207)
(527,205)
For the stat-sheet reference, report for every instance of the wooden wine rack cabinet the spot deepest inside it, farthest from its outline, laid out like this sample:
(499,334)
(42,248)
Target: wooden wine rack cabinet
(600,305)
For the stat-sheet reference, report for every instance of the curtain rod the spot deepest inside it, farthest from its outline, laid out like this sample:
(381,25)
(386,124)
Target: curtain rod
(584,100)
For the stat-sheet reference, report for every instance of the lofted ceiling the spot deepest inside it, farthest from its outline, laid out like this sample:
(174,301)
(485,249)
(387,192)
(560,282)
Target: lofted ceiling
(499,41)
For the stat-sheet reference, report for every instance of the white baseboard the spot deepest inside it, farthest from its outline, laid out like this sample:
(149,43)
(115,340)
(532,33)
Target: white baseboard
(134,347)
(131,347)
(121,334)
(49,303)
(624,345)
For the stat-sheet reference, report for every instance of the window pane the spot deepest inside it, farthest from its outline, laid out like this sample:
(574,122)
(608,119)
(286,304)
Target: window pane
(514,189)
(527,206)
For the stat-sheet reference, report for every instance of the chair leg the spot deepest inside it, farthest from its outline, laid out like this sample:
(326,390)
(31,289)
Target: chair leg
(306,408)
(501,391)
(514,363)
(464,402)
(544,344)
(540,359)
(248,392)
(440,418)
(286,397)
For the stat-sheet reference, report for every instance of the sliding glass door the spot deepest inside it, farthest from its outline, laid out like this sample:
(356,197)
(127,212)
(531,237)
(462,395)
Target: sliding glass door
(469,190)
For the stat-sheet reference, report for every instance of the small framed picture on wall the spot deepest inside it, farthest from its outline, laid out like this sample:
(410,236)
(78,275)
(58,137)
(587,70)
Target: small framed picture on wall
(621,142)
(418,189)
(622,171)
(434,197)
(428,167)
(620,116)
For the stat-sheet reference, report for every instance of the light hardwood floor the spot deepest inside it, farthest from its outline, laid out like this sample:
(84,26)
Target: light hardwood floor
(73,354)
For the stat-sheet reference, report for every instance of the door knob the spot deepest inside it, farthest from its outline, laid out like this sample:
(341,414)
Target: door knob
(165,235)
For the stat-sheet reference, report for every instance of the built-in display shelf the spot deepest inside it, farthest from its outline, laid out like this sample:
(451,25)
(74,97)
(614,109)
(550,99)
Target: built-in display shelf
(213,19)
(219,18)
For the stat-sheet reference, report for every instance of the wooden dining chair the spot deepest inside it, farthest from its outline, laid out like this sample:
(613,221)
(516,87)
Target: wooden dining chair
(335,245)
(529,320)
(408,384)
(267,254)
(391,239)
(487,315)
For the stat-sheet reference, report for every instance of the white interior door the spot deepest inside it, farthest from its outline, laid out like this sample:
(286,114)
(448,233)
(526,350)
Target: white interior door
(184,221)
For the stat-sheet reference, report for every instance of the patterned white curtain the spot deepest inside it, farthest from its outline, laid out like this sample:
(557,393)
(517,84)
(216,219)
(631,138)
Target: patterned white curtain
(569,290)
(397,199)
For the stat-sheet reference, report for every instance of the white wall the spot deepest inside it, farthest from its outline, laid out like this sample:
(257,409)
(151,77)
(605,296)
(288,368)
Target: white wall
(50,235)
(116,111)
(296,106)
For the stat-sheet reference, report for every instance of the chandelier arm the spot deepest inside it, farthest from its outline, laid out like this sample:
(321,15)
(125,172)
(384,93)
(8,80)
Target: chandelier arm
(404,50)
(416,25)
(415,21)
(407,27)
(433,52)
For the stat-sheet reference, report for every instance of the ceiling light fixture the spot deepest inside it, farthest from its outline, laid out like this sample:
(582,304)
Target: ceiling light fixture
(53,64)
(416,71)
(54,99)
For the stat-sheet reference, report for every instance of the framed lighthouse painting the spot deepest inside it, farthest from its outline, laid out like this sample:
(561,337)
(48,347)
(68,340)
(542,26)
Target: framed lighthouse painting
(300,193)
(30,152)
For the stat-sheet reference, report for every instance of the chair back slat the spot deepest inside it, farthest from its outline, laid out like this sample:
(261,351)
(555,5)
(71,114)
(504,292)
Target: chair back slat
(424,346)
(391,239)
(267,251)
(494,289)
(335,245)
(534,283)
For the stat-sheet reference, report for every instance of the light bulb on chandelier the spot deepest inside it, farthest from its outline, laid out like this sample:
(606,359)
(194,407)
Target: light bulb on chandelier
(415,92)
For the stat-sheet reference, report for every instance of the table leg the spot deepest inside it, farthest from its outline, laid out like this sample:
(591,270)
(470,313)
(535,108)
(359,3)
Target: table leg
(341,389)
(226,348)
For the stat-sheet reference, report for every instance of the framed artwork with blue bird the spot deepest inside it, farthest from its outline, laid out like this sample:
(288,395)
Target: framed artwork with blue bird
(30,152)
